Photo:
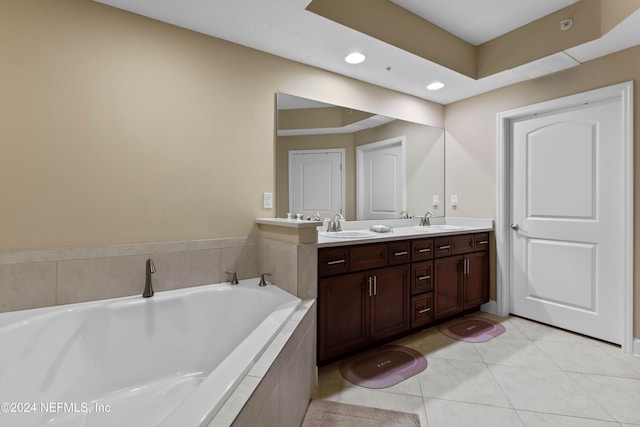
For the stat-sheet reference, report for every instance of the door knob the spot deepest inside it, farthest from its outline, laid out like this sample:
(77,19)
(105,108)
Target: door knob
(515,227)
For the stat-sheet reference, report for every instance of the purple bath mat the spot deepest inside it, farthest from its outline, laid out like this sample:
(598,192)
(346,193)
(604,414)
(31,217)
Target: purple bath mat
(383,367)
(472,329)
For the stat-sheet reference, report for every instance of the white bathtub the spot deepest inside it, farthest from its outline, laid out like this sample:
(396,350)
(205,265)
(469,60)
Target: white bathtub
(169,360)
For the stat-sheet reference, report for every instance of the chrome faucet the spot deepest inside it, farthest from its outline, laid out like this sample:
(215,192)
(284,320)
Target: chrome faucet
(148,286)
(315,216)
(335,224)
(426,219)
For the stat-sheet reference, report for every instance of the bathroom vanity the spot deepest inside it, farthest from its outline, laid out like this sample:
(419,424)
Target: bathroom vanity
(376,289)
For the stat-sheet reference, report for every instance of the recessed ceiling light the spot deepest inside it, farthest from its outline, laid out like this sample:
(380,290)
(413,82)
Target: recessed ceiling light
(355,58)
(435,85)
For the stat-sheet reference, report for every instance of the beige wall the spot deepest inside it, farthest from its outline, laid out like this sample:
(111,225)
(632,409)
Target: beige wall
(471,135)
(120,129)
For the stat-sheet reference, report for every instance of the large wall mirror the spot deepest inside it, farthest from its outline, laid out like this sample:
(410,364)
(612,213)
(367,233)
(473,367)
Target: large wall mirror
(331,158)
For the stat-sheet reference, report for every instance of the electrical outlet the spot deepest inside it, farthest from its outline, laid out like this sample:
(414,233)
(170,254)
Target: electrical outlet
(267,201)
(435,200)
(454,200)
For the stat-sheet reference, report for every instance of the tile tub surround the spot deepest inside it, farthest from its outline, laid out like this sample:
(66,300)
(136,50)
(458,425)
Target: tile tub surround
(277,390)
(33,279)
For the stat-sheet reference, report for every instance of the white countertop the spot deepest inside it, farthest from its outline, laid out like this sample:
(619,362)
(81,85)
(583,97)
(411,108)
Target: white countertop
(402,229)
(289,223)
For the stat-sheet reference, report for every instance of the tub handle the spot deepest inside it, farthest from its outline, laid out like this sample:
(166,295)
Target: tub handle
(234,279)
(262,281)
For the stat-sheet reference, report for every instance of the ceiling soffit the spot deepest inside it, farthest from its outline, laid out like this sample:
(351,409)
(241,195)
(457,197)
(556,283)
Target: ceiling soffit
(396,26)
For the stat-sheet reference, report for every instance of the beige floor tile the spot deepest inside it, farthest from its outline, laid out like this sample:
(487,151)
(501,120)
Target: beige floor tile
(586,358)
(538,419)
(548,391)
(514,351)
(619,396)
(444,413)
(538,331)
(462,381)
(532,375)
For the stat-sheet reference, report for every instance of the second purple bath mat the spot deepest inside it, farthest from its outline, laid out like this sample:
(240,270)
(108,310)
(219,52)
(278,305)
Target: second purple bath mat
(472,329)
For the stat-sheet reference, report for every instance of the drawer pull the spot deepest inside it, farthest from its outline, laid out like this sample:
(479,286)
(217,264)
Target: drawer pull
(426,310)
(340,261)
(400,253)
(442,248)
(424,250)
(424,277)
(483,242)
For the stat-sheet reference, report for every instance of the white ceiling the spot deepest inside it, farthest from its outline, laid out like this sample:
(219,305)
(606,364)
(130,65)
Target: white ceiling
(285,28)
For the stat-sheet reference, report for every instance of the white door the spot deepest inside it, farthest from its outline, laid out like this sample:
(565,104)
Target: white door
(316,182)
(381,180)
(567,219)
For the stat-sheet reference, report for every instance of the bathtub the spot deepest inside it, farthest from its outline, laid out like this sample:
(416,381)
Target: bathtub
(169,360)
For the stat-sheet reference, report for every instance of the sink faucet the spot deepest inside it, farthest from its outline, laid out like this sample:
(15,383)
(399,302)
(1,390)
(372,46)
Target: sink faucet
(148,286)
(335,224)
(426,219)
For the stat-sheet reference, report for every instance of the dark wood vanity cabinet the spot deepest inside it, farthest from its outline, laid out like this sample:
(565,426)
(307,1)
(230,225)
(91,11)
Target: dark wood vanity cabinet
(361,307)
(374,292)
(461,282)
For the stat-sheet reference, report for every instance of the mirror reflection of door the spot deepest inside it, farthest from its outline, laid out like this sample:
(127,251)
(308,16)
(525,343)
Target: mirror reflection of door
(316,182)
(381,179)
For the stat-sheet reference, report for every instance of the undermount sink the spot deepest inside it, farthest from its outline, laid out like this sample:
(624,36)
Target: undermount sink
(348,234)
(439,227)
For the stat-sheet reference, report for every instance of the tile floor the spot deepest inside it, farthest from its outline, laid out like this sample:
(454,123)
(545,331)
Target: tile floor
(532,375)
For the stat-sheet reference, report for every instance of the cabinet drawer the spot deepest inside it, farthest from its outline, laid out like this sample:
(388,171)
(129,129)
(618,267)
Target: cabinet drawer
(481,241)
(421,277)
(421,310)
(399,252)
(442,247)
(462,244)
(365,257)
(421,249)
(333,261)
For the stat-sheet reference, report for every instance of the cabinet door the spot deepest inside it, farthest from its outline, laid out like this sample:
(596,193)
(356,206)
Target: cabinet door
(389,302)
(447,289)
(476,281)
(343,315)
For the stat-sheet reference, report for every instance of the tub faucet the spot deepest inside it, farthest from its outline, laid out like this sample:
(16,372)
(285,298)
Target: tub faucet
(426,219)
(148,286)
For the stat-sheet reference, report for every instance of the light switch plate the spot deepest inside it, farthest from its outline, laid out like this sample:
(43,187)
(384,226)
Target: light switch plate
(267,201)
